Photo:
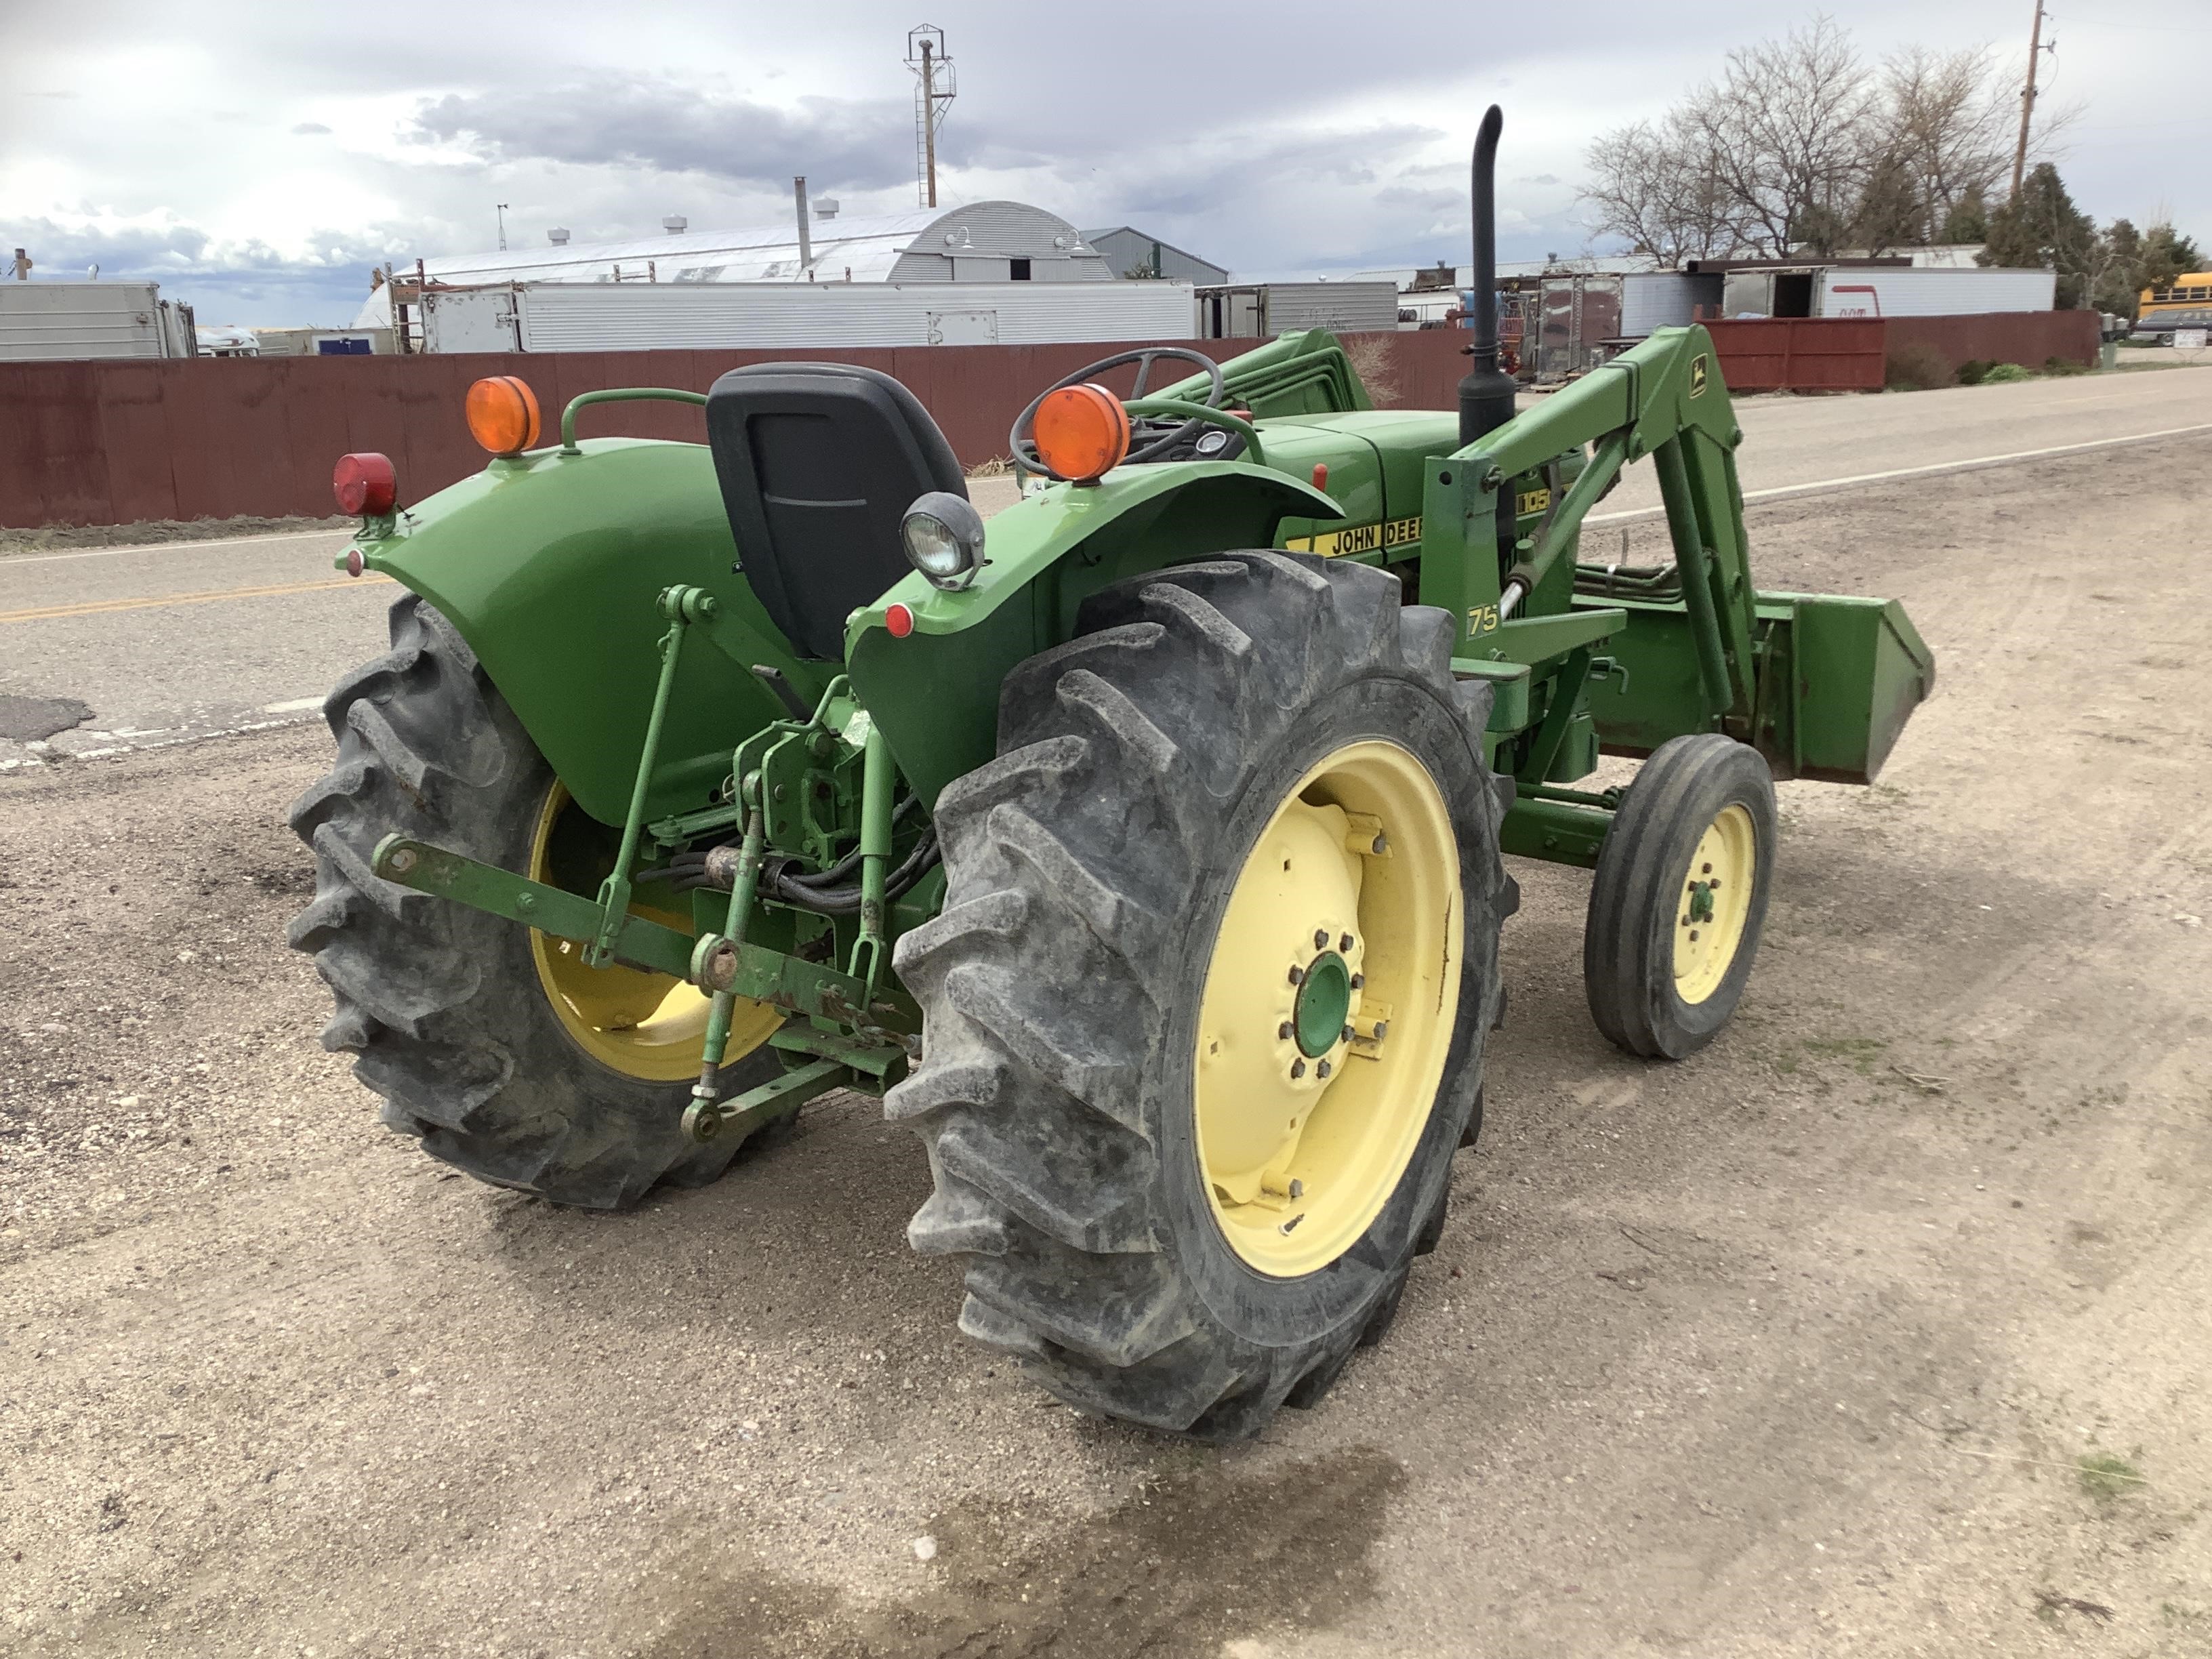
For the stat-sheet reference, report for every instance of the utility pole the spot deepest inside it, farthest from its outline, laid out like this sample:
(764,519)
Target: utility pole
(502,226)
(928,126)
(2027,100)
(938,86)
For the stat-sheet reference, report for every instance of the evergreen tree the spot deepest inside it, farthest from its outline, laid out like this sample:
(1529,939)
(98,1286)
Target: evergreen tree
(1968,222)
(2042,227)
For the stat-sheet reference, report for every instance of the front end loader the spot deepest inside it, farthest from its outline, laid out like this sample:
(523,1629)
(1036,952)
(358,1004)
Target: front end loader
(1144,851)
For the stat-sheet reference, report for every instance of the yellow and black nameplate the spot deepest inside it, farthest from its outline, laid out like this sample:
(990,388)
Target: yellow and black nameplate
(1531,500)
(1697,375)
(1360,538)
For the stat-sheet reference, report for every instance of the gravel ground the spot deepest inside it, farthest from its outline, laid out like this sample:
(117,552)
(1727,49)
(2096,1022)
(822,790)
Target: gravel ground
(1793,1349)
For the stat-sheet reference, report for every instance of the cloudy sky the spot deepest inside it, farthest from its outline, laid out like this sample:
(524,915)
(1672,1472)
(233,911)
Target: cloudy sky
(258,157)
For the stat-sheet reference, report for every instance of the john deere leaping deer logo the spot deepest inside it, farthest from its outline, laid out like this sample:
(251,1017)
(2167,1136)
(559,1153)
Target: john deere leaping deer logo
(1698,376)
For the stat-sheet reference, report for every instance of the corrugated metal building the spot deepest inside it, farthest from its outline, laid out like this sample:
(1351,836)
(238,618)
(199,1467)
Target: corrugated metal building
(1130,252)
(982,242)
(767,316)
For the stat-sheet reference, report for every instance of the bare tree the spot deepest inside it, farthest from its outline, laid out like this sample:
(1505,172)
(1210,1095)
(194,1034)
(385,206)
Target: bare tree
(1801,146)
(1947,118)
(1658,189)
(1789,126)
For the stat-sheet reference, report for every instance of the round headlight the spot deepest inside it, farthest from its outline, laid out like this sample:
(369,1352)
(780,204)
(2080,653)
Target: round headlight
(944,538)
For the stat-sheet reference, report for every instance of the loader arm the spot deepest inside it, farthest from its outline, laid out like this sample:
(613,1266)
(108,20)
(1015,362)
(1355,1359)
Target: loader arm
(1693,647)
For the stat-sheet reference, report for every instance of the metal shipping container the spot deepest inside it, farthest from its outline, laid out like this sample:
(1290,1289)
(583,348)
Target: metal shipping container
(1260,311)
(1576,315)
(1664,299)
(52,322)
(610,317)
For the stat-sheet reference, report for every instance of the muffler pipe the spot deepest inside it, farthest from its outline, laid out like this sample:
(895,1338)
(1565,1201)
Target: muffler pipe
(1486,395)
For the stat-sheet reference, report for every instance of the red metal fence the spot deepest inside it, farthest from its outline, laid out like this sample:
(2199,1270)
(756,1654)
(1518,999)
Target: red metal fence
(115,443)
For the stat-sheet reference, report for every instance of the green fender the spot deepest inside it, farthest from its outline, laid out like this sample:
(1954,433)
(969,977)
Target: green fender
(934,693)
(549,564)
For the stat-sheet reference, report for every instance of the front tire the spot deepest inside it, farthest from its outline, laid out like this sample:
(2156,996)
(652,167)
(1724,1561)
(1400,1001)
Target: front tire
(488,1041)
(1185,1189)
(1678,898)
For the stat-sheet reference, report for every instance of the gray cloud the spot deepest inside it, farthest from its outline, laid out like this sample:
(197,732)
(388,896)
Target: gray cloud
(310,127)
(662,123)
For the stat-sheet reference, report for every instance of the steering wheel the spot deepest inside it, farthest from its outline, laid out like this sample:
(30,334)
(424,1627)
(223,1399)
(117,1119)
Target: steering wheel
(1024,447)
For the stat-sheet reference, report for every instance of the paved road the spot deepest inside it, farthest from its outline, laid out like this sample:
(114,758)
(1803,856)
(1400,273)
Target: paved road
(167,643)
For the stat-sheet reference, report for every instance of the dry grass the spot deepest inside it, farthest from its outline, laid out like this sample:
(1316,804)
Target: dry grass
(1371,360)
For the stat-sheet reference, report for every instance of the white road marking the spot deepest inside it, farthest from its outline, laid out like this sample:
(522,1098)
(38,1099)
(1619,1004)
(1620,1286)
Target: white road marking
(1824,486)
(294,706)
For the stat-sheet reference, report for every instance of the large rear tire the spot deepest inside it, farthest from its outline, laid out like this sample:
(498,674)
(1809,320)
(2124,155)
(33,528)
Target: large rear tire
(1187,1174)
(490,1041)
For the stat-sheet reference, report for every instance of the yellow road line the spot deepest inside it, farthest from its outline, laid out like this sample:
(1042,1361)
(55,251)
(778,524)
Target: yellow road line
(95,607)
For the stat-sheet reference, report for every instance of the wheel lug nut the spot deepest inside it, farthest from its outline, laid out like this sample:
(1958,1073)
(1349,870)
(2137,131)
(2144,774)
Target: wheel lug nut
(1694,936)
(1297,1068)
(1320,1068)
(1283,1031)
(1297,1189)
(1297,975)
(1321,939)
(1345,944)
(1358,980)
(1347,1036)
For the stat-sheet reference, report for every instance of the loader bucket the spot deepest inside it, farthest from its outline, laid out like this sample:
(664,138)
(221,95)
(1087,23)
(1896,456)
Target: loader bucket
(1839,679)
(1858,669)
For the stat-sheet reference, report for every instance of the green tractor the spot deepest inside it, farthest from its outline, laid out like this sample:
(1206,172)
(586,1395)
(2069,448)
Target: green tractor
(1144,854)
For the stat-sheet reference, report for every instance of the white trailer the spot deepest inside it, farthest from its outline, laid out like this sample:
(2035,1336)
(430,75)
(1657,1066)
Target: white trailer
(772,316)
(60,322)
(1260,311)
(1889,291)
(1813,290)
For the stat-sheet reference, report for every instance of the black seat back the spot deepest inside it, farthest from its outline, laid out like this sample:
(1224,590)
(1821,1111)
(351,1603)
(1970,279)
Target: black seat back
(818,463)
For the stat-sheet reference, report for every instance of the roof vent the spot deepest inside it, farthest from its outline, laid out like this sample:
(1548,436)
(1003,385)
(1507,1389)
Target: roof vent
(674,224)
(558,237)
(826,208)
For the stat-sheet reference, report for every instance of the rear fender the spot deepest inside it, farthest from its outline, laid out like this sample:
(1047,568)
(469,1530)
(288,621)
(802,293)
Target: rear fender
(550,564)
(934,693)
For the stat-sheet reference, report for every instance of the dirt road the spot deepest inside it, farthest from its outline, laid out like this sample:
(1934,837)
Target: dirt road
(1793,1349)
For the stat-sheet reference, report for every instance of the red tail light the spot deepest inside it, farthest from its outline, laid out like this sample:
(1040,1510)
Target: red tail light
(365,485)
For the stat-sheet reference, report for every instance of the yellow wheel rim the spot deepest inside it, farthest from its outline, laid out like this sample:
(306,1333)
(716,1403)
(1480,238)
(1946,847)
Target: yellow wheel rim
(1328,1008)
(1713,904)
(648,1026)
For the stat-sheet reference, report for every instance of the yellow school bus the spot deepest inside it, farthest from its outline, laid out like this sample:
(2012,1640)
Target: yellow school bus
(2187,304)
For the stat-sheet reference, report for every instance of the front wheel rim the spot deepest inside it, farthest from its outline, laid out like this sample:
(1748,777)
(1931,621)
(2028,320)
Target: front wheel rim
(1329,1008)
(1713,904)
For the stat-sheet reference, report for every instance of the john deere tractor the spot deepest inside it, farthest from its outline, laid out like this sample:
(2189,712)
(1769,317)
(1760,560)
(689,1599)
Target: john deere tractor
(1144,852)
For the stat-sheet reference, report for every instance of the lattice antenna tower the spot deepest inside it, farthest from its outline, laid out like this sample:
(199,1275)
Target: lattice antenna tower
(935,86)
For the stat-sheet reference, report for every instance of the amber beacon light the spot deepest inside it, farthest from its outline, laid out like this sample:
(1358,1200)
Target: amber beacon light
(503,413)
(1081,432)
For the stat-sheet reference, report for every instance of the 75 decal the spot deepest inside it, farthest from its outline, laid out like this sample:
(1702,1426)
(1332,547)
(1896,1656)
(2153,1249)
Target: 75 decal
(1483,619)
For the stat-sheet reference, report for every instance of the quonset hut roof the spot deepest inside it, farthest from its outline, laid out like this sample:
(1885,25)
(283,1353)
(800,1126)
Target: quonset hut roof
(918,246)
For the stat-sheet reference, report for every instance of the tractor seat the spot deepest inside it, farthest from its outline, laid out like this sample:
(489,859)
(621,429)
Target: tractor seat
(818,463)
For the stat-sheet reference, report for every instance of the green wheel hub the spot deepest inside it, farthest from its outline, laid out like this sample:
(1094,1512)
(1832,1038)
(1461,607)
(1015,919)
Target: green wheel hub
(1324,1000)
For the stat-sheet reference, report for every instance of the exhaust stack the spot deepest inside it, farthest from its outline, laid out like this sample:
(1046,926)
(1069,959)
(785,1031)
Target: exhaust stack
(805,242)
(1486,395)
